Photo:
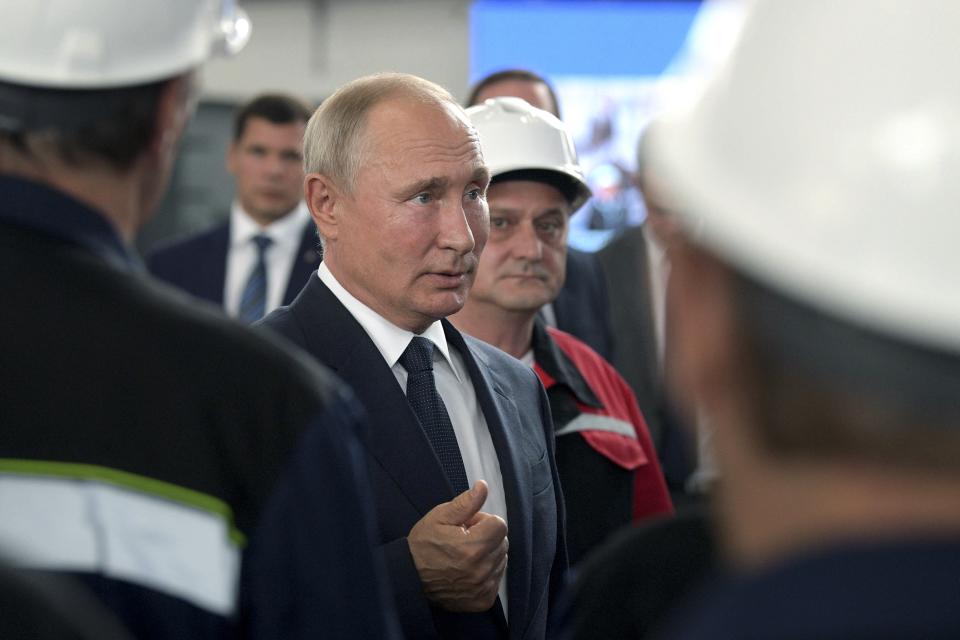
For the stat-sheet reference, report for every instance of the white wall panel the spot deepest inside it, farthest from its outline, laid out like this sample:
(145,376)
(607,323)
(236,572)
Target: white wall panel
(311,47)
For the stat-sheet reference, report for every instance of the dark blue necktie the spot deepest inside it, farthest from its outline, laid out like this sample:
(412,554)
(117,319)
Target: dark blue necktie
(253,300)
(427,404)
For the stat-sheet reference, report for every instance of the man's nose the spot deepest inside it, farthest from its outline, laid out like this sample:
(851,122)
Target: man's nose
(273,165)
(526,243)
(455,232)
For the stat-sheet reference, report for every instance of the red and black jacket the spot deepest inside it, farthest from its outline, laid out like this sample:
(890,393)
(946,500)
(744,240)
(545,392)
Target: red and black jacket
(606,460)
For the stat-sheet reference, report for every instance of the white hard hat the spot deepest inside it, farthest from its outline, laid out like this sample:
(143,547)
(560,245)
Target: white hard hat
(822,158)
(516,137)
(94,44)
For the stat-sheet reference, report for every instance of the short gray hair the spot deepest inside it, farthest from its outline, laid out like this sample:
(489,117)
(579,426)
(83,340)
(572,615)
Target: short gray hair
(334,143)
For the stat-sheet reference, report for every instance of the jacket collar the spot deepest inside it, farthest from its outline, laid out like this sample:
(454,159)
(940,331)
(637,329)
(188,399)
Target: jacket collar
(558,366)
(53,213)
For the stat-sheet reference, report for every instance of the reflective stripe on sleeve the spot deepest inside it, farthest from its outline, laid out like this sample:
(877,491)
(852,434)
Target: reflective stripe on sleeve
(591,422)
(66,517)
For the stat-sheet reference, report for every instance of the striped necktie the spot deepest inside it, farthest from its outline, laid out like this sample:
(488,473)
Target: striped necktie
(253,301)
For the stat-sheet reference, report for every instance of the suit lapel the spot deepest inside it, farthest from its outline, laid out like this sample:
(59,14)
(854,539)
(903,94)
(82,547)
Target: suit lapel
(500,413)
(211,273)
(305,262)
(396,439)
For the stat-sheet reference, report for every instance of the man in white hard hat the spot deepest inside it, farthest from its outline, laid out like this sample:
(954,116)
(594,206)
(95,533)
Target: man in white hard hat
(462,444)
(611,300)
(607,464)
(261,254)
(817,174)
(201,480)
(581,306)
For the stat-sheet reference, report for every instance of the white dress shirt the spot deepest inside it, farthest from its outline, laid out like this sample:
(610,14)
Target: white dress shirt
(454,386)
(659,270)
(286,234)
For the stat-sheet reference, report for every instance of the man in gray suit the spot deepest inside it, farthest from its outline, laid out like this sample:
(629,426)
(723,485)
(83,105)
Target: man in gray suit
(396,184)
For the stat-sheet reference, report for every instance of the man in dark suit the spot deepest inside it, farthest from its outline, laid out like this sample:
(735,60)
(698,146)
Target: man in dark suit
(202,481)
(636,265)
(582,306)
(396,185)
(262,254)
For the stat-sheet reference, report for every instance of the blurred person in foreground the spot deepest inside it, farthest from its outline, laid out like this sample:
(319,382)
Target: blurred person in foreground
(462,444)
(582,306)
(261,255)
(817,320)
(608,467)
(201,481)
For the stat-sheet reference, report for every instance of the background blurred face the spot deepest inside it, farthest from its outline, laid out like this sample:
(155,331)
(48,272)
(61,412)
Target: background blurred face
(661,221)
(407,240)
(535,93)
(524,263)
(267,163)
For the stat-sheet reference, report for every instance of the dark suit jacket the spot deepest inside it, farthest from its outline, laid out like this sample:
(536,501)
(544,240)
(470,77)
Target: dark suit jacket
(627,274)
(582,305)
(198,264)
(409,481)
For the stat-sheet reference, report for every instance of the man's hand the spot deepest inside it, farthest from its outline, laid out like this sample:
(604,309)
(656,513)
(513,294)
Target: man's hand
(460,552)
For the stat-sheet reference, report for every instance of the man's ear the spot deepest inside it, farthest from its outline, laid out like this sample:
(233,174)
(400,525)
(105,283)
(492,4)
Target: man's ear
(174,108)
(322,197)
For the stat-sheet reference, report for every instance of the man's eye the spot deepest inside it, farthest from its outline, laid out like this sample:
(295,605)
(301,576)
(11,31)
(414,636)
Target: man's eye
(474,194)
(550,229)
(423,198)
(498,223)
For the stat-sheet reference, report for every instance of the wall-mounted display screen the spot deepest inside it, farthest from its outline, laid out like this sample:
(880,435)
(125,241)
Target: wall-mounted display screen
(604,59)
